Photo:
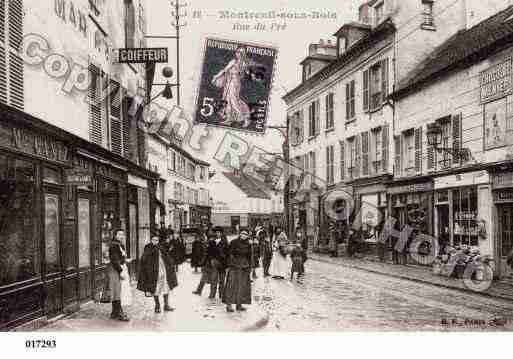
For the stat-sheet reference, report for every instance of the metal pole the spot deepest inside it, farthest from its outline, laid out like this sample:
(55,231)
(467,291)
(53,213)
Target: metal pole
(177,16)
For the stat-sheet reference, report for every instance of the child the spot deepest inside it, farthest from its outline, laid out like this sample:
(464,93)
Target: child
(297,261)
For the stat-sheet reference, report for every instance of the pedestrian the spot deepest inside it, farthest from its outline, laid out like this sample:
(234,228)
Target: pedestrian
(280,264)
(156,275)
(222,253)
(303,241)
(351,243)
(443,240)
(119,278)
(209,268)
(238,283)
(178,249)
(255,255)
(296,257)
(198,252)
(266,251)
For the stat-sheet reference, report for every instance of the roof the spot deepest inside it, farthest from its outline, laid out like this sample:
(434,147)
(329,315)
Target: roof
(355,24)
(246,185)
(464,48)
(361,45)
(178,149)
(321,57)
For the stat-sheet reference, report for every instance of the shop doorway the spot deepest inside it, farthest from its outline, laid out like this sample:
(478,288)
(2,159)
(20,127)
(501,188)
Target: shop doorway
(505,235)
(442,220)
(85,248)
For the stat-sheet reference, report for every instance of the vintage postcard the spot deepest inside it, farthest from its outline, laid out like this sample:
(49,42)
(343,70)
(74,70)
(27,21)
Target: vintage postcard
(263,167)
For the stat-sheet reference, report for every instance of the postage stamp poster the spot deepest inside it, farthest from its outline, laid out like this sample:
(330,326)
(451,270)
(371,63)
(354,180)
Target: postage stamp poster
(236,82)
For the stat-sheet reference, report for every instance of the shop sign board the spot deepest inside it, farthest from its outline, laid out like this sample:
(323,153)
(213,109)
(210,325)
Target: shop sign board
(79,178)
(504,179)
(140,55)
(496,82)
(34,144)
(464,179)
(503,196)
(415,187)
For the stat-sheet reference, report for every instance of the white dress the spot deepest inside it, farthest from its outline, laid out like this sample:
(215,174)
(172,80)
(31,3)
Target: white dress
(280,265)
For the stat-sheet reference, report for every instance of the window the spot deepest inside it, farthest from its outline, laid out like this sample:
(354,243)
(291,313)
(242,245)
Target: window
(313,116)
(378,13)
(52,237)
(446,135)
(84,233)
(190,172)
(350,100)
(313,166)
(19,238)
(409,151)
(427,13)
(375,86)
(296,126)
(329,164)
(11,64)
(202,173)
(465,230)
(129,24)
(306,161)
(376,150)
(329,111)
(351,157)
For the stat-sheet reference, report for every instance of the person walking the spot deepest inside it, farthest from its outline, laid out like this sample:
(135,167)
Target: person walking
(296,257)
(280,264)
(222,253)
(157,276)
(198,252)
(238,283)
(209,268)
(177,249)
(118,276)
(266,251)
(255,256)
(302,240)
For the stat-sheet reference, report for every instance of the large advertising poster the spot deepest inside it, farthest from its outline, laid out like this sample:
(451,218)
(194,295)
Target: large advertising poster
(235,85)
(495,124)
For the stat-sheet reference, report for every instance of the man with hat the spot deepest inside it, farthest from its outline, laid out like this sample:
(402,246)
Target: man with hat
(238,282)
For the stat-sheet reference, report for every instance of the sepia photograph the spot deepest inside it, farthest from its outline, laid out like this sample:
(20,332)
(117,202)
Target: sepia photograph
(301,172)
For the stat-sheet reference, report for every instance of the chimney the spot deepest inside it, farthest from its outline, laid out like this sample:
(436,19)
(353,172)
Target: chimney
(321,42)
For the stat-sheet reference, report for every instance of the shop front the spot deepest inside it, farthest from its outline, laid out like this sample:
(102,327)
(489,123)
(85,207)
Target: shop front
(200,215)
(503,214)
(463,209)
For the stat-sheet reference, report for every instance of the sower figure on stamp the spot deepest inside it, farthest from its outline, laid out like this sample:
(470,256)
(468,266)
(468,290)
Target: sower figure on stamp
(119,279)
(157,276)
(238,283)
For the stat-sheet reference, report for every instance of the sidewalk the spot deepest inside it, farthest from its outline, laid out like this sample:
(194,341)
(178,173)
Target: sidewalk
(192,313)
(421,274)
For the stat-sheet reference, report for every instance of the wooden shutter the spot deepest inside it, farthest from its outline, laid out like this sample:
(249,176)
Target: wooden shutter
(15,24)
(366,90)
(327,110)
(348,101)
(11,64)
(418,150)
(384,147)
(317,117)
(430,158)
(365,153)
(95,117)
(384,79)
(116,126)
(342,161)
(16,86)
(3,75)
(126,124)
(311,120)
(301,126)
(352,100)
(397,154)
(2,22)
(456,137)
(328,164)
(357,156)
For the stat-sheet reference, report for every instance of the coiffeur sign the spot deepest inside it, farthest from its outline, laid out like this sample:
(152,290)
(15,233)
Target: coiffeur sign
(141,55)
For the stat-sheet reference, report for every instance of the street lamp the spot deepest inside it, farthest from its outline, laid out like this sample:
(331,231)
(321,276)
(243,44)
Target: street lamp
(434,136)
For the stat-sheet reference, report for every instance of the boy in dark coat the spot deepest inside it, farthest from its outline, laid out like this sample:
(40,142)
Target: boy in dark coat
(198,252)
(266,251)
(209,268)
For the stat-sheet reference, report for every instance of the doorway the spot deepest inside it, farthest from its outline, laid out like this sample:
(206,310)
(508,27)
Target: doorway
(505,236)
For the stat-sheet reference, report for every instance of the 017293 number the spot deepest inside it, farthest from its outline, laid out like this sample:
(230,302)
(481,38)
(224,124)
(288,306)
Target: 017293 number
(40,344)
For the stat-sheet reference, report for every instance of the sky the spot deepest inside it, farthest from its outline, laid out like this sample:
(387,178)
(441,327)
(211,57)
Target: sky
(292,42)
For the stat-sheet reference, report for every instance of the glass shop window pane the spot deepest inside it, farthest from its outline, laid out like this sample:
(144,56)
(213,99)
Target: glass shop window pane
(19,245)
(52,233)
(84,234)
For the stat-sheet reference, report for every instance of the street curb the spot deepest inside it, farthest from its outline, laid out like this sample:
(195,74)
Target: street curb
(417,280)
(259,324)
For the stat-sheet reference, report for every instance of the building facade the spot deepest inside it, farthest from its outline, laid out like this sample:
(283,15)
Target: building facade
(73,156)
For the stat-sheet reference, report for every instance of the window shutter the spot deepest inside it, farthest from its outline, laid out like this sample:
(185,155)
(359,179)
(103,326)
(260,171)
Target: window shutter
(317,116)
(16,87)
(397,154)
(11,64)
(126,124)
(310,120)
(418,150)
(384,147)
(301,126)
(366,90)
(2,22)
(456,137)
(384,79)
(3,75)
(358,156)
(327,110)
(342,161)
(328,164)
(348,101)
(15,23)
(430,158)
(116,127)
(95,117)
(365,153)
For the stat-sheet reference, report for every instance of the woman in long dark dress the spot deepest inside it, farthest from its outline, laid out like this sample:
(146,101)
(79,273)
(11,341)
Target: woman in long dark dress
(238,282)
(157,275)
(198,252)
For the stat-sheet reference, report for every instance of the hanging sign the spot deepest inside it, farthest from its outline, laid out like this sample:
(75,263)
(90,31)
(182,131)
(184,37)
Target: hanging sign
(140,55)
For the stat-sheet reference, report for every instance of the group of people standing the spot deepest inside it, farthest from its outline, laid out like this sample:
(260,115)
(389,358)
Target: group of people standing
(228,267)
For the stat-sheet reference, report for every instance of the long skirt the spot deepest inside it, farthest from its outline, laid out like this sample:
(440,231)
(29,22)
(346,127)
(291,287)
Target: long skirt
(162,284)
(114,283)
(238,286)
(126,289)
(280,265)
(297,265)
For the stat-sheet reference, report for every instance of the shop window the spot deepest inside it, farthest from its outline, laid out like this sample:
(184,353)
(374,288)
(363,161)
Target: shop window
(52,233)
(110,219)
(19,240)
(465,226)
(84,233)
